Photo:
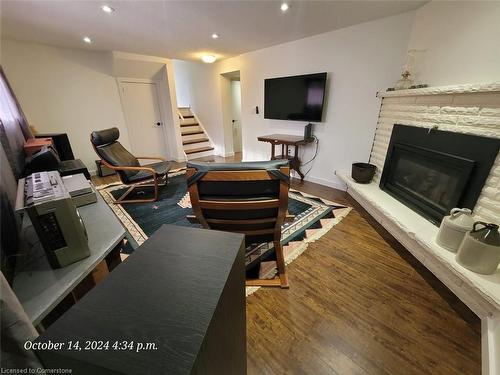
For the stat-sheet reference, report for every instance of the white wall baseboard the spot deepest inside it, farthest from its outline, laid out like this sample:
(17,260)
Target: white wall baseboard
(330,183)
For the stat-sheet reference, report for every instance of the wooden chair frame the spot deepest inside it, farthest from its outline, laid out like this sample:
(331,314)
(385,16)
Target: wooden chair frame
(281,203)
(132,186)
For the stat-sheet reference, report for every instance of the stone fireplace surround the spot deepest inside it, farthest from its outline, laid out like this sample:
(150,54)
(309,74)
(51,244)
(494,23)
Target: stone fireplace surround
(469,109)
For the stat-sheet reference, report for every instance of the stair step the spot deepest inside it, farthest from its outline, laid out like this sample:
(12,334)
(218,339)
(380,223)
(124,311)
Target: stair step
(199,155)
(188,116)
(201,149)
(197,140)
(187,121)
(191,132)
(185,111)
(186,125)
(192,146)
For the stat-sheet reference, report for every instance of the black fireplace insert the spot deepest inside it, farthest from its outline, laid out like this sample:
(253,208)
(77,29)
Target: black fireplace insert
(432,171)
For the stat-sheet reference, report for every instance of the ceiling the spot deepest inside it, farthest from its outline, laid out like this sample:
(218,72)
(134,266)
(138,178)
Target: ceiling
(183,29)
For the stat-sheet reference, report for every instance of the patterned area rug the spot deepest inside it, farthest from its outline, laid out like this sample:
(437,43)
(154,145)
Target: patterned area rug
(314,217)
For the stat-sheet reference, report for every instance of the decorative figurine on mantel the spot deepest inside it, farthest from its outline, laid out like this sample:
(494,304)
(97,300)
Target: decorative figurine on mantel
(409,72)
(405,82)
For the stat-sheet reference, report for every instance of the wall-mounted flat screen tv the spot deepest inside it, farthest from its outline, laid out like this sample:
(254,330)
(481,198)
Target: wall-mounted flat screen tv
(297,98)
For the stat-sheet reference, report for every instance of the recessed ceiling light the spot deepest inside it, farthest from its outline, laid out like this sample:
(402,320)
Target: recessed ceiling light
(87,40)
(208,59)
(284,7)
(107,9)
(215,36)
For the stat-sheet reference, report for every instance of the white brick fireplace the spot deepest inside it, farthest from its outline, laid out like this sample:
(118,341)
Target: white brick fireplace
(469,109)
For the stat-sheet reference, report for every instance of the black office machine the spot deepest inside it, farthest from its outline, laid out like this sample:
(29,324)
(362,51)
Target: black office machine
(61,144)
(54,216)
(47,159)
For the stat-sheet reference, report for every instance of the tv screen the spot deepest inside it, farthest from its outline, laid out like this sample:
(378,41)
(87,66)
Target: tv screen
(297,98)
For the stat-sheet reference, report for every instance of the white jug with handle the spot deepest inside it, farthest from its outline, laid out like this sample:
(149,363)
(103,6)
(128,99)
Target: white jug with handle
(453,228)
(480,249)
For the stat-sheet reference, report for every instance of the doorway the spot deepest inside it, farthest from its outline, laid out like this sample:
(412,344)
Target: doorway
(141,107)
(236,111)
(231,108)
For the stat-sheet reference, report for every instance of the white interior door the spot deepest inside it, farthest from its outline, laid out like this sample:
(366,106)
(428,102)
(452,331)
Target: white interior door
(236,109)
(143,116)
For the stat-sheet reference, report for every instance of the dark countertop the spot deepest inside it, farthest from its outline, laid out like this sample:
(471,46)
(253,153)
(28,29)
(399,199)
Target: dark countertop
(39,287)
(165,293)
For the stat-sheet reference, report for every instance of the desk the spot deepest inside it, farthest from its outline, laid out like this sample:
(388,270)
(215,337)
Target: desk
(182,292)
(40,288)
(285,141)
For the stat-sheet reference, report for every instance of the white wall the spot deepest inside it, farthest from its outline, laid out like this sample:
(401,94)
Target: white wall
(462,42)
(360,60)
(183,82)
(75,92)
(65,90)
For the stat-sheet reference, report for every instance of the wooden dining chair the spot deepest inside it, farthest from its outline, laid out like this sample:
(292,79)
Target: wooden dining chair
(249,198)
(116,157)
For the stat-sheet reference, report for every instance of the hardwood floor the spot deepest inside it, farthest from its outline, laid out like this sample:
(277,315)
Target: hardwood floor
(359,303)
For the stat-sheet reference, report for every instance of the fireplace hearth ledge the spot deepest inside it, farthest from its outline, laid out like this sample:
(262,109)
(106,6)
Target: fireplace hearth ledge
(481,293)
(469,88)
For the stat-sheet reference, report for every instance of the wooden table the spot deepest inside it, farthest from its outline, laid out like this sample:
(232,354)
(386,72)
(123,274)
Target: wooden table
(286,140)
(39,287)
(175,306)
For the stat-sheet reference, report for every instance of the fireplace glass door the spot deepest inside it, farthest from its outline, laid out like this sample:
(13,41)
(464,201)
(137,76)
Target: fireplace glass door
(428,181)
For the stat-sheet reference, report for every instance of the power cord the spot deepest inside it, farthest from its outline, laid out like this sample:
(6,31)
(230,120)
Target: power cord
(316,141)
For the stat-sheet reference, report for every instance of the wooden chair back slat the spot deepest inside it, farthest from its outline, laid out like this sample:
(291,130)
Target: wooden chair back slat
(248,232)
(238,176)
(243,221)
(239,205)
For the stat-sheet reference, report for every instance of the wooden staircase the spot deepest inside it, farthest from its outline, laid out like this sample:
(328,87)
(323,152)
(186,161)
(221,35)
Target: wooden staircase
(195,141)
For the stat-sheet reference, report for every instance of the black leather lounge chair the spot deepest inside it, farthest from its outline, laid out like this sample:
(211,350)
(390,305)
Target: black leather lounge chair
(131,173)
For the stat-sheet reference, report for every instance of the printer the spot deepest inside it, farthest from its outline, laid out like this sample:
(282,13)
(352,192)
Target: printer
(57,222)
(80,189)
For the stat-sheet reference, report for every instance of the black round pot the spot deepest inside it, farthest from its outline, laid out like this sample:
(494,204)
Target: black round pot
(363,172)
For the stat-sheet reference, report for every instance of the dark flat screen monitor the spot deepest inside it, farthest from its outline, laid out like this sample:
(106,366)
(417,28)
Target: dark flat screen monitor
(297,98)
